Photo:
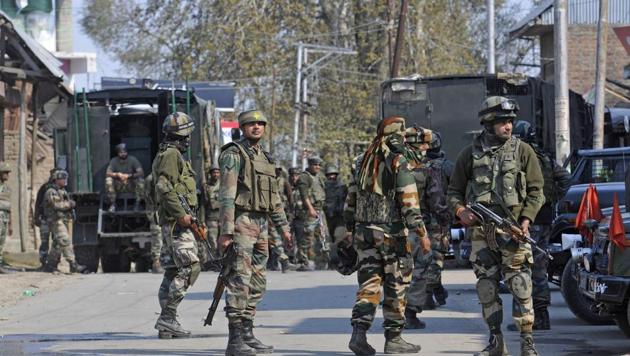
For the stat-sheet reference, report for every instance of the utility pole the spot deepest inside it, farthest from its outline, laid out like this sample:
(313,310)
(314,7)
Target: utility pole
(600,75)
(298,109)
(390,26)
(400,38)
(21,168)
(305,106)
(491,55)
(273,109)
(561,81)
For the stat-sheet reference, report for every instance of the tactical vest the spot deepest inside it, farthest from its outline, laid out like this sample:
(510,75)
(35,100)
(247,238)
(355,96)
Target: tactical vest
(5,199)
(257,188)
(212,196)
(53,214)
(497,175)
(185,184)
(316,189)
(373,208)
(298,206)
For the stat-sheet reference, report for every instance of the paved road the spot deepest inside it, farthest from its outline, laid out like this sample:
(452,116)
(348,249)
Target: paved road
(302,314)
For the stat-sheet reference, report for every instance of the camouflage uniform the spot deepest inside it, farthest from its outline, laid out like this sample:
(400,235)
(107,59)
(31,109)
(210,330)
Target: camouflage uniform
(211,201)
(383,213)
(5,211)
(245,211)
(296,216)
(154,227)
(135,185)
(174,177)
(336,192)
(504,175)
(315,229)
(58,207)
(276,243)
(40,220)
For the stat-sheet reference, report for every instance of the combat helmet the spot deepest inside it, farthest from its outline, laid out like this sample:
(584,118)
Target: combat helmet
(417,134)
(214,167)
(178,124)
(60,174)
(436,142)
(497,107)
(4,167)
(524,130)
(249,116)
(332,169)
(294,171)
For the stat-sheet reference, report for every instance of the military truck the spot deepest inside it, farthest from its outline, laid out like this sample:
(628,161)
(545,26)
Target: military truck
(97,122)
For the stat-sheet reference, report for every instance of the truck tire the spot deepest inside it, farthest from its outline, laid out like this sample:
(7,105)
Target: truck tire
(623,320)
(87,256)
(577,302)
(115,263)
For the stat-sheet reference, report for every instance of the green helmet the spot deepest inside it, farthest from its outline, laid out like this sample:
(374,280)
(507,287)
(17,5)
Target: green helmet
(60,174)
(497,107)
(331,169)
(294,171)
(178,124)
(4,167)
(214,167)
(251,116)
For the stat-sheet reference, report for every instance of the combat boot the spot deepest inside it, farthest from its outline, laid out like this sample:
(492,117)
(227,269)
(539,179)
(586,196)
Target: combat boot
(496,347)
(412,321)
(77,268)
(4,270)
(527,345)
(252,341)
(358,342)
(440,294)
(429,303)
(394,344)
(157,267)
(236,346)
(541,319)
(287,266)
(169,328)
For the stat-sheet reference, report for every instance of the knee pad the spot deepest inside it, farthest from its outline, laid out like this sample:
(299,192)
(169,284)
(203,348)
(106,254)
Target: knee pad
(487,290)
(520,285)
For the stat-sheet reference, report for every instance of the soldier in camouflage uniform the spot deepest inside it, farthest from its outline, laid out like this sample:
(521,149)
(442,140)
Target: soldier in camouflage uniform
(313,195)
(557,182)
(386,206)
(5,210)
(124,174)
(211,208)
(245,210)
(336,192)
(154,227)
(40,219)
(277,252)
(59,210)
(173,178)
(296,210)
(501,172)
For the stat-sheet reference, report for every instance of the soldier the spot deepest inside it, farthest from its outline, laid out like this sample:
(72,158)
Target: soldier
(154,227)
(59,210)
(336,192)
(296,211)
(276,246)
(124,174)
(40,219)
(211,202)
(386,206)
(245,211)
(556,183)
(5,211)
(174,179)
(313,196)
(501,172)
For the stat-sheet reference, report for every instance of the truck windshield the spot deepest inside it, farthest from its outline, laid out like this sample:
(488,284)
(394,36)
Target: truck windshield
(604,170)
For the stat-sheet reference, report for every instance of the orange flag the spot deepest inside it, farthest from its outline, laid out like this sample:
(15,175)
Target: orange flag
(589,210)
(616,232)
(596,211)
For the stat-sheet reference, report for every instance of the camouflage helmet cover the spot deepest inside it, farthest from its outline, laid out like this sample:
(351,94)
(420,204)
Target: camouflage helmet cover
(294,171)
(332,169)
(497,107)
(249,116)
(4,167)
(416,134)
(60,174)
(178,124)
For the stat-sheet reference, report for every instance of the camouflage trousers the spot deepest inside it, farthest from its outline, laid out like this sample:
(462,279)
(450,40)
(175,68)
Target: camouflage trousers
(181,267)
(384,269)
(315,236)
(4,231)
(512,262)
(297,232)
(156,240)
(115,186)
(540,282)
(212,226)
(276,244)
(61,243)
(427,269)
(44,238)
(246,280)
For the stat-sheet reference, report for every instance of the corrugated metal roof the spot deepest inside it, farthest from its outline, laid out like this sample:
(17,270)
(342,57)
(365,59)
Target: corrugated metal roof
(580,12)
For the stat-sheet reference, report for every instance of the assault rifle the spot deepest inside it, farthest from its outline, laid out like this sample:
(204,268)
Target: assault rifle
(197,229)
(226,262)
(509,227)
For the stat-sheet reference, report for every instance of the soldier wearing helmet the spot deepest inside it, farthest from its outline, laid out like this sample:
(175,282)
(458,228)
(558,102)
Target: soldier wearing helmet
(556,183)
(5,210)
(59,210)
(124,174)
(277,251)
(174,179)
(502,173)
(40,219)
(248,199)
(211,210)
(336,191)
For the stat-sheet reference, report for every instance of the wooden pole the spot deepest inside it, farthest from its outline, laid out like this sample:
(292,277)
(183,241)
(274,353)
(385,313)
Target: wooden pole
(22,180)
(400,38)
(600,75)
(34,156)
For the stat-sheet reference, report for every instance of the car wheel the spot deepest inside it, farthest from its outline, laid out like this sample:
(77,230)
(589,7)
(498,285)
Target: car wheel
(87,256)
(623,320)
(577,302)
